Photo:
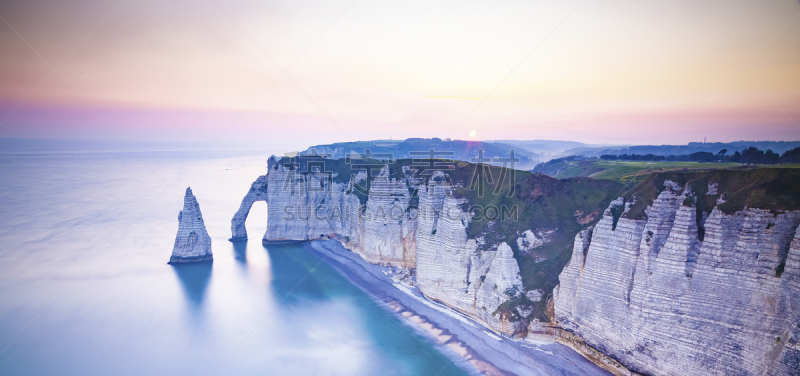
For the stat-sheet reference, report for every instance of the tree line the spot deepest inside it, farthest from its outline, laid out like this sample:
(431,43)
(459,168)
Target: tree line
(750,155)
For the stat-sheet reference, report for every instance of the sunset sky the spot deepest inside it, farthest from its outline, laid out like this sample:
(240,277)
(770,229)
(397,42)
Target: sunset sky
(307,72)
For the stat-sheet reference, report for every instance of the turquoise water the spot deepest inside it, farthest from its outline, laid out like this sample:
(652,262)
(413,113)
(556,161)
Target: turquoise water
(401,352)
(85,288)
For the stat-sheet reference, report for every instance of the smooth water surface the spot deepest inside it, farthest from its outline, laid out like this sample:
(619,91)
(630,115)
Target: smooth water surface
(85,288)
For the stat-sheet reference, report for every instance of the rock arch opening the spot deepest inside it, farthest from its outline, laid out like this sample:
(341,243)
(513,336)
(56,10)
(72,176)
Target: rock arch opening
(258,192)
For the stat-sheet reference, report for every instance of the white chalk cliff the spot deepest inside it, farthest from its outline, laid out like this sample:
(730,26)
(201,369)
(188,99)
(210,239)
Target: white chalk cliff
(452,270)
(680,291)
(192,243)
(390,229)
(652,295)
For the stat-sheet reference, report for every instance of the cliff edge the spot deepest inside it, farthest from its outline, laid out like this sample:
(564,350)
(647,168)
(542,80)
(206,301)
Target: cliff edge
(691,274)
(464,230)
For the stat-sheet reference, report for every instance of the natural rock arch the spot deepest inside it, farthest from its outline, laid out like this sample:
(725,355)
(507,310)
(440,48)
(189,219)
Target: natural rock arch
(258,192)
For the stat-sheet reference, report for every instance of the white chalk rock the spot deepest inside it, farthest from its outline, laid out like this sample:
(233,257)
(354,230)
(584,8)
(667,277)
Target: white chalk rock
(529,241)
(654,296)
(192,244)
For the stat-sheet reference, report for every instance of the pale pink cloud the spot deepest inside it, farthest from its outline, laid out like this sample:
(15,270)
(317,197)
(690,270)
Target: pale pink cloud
(614,71)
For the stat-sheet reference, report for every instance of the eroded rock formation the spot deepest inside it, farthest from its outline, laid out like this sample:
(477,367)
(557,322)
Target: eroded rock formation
(654,296)
(679,282)
(258,192)
(192,243)
(389,233)
(451,268)
(390,227)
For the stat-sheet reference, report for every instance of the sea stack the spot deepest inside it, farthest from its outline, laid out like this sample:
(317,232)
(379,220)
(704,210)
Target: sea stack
(192,244)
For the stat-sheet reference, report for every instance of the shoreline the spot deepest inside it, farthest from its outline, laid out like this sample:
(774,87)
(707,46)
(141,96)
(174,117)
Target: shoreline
(487,352)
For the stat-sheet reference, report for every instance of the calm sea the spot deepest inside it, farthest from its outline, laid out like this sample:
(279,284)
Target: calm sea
(85,288)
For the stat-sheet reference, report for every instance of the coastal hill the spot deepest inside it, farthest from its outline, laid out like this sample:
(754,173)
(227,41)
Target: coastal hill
(450,225)
(779,147)
(690,273)
(636,166)
(418,147)
(640,275)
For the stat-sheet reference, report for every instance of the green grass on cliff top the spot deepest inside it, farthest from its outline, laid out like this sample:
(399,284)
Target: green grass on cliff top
(623,170)
(561,208)
(774,189)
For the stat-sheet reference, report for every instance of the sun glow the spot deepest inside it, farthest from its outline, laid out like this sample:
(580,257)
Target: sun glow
(472,134)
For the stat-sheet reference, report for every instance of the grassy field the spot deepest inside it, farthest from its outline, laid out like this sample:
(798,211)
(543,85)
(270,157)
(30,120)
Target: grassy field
(622,169)
(635,170)
(774,189)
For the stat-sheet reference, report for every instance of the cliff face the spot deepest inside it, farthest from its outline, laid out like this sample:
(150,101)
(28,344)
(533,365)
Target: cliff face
(653,295)
(692,273)
(391,227)
(388,233)
(316,205)
(305,206)
(192,242)
(451,268)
